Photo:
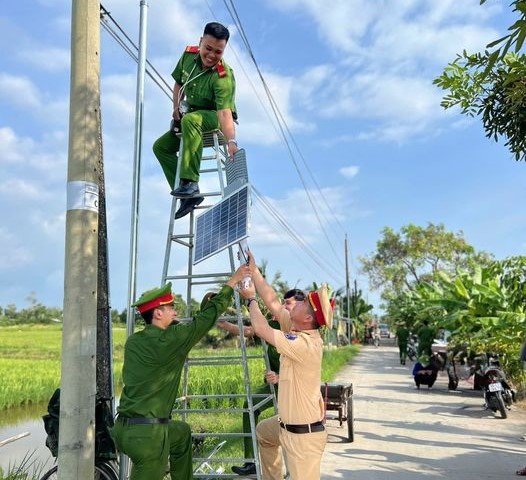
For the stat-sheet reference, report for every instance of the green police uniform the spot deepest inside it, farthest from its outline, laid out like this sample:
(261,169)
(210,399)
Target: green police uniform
(426,335)
(273,359)
(207,90)
(402,334)
(153,362)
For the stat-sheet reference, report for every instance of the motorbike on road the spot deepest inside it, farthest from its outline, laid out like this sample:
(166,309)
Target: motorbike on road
(498,394)
(412,347)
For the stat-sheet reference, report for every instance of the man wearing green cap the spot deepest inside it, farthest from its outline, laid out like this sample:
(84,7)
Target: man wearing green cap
(153,362)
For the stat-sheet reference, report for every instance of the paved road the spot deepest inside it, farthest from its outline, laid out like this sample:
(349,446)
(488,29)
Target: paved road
(402,433)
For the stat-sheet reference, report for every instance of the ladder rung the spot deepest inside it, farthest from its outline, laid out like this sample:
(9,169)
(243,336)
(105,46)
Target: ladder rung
(216,476)
(221,435)
(186,277)
(180,242)
(220,360)
(226,395)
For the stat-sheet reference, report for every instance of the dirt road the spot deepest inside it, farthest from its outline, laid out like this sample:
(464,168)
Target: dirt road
(402,433)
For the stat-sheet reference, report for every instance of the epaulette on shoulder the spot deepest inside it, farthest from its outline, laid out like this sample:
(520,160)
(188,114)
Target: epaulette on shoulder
(221,69)
(192,49)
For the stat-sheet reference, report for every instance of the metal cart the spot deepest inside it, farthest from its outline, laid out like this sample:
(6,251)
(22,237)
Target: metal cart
(338,397)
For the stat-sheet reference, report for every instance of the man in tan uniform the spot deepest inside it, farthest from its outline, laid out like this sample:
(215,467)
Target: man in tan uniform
(298,428)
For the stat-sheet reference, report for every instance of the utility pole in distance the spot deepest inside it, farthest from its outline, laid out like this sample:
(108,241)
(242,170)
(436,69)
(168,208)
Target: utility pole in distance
(347,290)
(78,372)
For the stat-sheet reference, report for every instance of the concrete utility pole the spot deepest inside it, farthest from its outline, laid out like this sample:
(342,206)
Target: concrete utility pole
(78,375)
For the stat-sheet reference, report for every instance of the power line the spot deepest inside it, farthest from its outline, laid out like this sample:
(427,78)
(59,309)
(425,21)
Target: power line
(283,126)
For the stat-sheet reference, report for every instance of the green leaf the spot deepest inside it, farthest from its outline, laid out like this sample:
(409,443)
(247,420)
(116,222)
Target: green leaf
(520,39)
(496,42)
(461,289)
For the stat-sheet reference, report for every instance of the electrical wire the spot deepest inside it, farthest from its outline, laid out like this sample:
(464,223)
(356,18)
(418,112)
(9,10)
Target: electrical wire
(315,257)
(283,127)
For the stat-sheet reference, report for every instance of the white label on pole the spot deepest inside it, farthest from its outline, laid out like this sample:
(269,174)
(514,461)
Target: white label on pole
(83,196)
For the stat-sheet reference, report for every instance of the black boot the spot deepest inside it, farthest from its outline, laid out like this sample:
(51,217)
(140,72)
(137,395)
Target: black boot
(248,468)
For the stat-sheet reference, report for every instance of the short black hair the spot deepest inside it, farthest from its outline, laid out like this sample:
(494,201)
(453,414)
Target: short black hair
(298,294)
(148,316)
(216,30)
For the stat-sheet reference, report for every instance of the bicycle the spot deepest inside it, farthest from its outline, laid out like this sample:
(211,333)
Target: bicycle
(104,470)
(106,459)
(106,464)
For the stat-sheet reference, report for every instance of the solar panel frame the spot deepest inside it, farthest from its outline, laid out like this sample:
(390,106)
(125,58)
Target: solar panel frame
(222,225)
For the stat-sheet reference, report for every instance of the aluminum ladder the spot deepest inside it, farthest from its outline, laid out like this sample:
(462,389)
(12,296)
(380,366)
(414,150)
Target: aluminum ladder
(215,163)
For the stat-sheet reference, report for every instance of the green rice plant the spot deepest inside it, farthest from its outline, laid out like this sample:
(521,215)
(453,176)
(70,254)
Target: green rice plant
(28,469)
(27,381)
(30,367)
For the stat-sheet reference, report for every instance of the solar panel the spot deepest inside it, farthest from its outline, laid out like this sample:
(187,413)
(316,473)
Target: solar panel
(222,225)
(236,171)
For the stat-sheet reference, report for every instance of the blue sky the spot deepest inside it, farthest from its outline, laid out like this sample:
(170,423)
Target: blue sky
(352,78)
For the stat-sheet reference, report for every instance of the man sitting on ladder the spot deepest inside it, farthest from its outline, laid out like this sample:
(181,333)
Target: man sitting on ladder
(203,100)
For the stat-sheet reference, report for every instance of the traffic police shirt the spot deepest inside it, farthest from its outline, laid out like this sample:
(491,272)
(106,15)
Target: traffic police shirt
(205,88)
(299,396)
(154,359)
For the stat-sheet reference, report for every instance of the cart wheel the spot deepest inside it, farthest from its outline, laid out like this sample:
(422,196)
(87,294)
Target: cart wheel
(350,420)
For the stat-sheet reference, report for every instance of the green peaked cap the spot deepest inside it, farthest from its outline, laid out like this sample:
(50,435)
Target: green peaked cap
(152,294)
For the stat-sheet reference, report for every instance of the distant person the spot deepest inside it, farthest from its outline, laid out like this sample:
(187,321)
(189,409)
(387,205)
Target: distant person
(290,299)
(151,373)
(402,337)
(298,429)
(426,335)
(203,100)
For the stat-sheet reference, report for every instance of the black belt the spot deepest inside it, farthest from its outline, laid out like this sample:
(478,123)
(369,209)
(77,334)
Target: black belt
(306,428)
(143,420)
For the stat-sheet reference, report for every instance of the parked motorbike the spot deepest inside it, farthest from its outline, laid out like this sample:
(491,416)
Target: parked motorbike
(412,347)
(498,394)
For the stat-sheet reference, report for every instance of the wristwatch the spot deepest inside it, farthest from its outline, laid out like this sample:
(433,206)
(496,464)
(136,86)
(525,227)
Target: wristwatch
(232,140)
(250,300)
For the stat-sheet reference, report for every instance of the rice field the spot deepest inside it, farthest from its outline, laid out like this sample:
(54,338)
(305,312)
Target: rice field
(30,367)
(30,373)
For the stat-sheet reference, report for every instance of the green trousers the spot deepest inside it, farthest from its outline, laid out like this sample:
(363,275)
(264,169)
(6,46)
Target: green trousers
(151,446)
(249,446)
(166,147)
(402,347)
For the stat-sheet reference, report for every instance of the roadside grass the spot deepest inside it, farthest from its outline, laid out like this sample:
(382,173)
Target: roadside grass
(29,468)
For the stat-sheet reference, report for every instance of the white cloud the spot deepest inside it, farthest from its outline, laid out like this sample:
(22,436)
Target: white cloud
(50,59)
(19,91)
(12,254)
(11,148)
(19,188)
(350,172)
(384,64)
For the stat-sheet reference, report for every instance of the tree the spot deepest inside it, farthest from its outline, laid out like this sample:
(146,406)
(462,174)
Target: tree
(493,85)
(415,254)
(483,309)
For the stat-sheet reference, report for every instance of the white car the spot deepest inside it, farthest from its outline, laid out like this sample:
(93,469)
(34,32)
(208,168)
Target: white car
(384,330)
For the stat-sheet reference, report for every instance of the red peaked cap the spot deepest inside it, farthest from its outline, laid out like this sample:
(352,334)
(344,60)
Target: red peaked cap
(322,306)
(155,298)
